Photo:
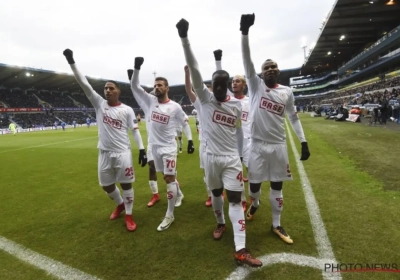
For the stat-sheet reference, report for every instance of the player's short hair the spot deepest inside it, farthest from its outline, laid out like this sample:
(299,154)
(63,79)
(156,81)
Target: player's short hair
(115,83)
(240,77)
(162,79)
(270,60)
(220,72)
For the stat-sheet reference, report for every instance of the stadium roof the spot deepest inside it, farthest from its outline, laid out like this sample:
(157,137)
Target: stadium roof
(351,26)
(31,78)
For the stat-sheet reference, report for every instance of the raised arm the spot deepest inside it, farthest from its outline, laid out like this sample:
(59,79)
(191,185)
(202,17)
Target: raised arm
(218,58)
(202,92)
(141,96)
(93,96)
(245,22)
(188,86)
(297,127)
(218,65)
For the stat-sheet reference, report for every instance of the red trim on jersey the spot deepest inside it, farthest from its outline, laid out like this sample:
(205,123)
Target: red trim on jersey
(119,103)
(240,97)
(165,101)
(227,98)
(276,86)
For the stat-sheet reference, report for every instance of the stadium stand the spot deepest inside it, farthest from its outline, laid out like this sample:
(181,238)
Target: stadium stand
(353,63)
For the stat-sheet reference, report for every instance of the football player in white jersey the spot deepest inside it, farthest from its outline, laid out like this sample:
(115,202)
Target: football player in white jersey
(270,102)
(164,115)
(223,136)
(114,120)
(238,88)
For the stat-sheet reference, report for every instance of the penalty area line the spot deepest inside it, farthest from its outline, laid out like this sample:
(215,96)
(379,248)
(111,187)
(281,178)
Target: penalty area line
(52,267)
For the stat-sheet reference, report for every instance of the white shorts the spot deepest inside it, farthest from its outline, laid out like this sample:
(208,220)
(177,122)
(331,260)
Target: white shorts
(115,167)
(223,171)
(149,152)
(246,151)
(179,132)
(165,159)
(268,162)
(202,154)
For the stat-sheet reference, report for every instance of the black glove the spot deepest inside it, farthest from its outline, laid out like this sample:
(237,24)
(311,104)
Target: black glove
(241,159)
(130,73)
(69,56)
(142,157)
(183,27)
(305,153)
(190,148)
(218,55)
(245,22)
(138,62)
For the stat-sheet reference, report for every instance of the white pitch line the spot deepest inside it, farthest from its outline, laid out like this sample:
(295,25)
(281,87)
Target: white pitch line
(52,267)
(324,246)
(48,144)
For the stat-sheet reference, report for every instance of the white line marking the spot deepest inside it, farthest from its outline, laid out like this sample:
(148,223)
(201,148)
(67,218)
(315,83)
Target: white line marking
(324,246)
(52,267)
(48,144)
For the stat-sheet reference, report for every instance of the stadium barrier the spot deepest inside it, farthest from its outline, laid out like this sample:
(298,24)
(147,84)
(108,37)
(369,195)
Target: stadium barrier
(43,128)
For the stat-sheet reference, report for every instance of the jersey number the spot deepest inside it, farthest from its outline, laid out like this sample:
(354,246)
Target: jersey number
(170,163)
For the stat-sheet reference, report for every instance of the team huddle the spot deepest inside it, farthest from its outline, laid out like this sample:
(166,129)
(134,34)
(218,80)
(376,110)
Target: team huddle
(234,129)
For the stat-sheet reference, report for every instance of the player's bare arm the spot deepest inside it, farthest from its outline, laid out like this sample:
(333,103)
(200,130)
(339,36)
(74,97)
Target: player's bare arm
(202,92)
(188,85)
(93,96)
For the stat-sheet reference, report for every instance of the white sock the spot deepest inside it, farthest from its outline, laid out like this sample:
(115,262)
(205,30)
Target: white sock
(218,207)
(116,196)
(276,200)
(172,192)
(128,201)
(243,195)
(236,215)
(179,188)
(207,188)
(255,197)
(153,187)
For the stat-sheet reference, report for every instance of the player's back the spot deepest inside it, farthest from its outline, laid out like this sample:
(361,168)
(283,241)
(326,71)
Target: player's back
(113,125)
(164,118)
(269,106)
(219,124)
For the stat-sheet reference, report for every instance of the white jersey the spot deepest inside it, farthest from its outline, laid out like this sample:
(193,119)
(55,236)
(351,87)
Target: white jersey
(113,121)
(268,105)
(197,106)
(246,123)
(164,118)
(219,123)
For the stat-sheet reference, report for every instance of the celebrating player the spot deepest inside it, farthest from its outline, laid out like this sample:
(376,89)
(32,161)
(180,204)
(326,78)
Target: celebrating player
(164,115)
(268,152)
(222,130)
(114,119)
(238,88)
